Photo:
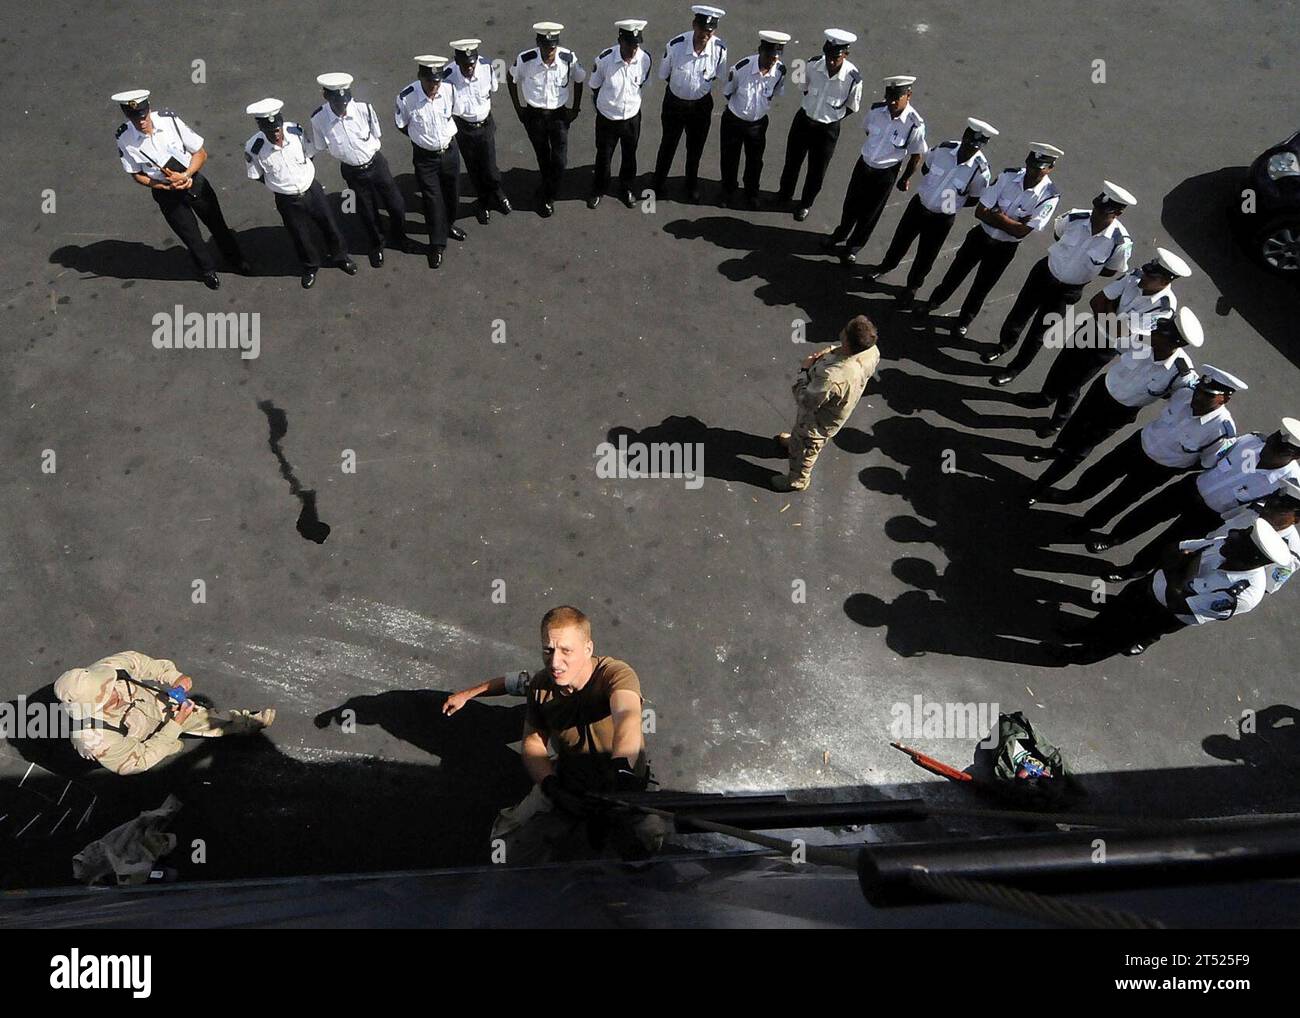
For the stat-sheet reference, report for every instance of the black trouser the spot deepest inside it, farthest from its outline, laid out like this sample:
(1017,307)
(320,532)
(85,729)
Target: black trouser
(992,256)
(1041,296)
(1180,502)
(750,135)
(548,130)
(438,175)
(931,227)
(610,133)
(814,141)
(1128,463)
(692,116)
(1069,373)
(863,202)
(478,149)
(374,185)
(183,210)
(299,211)
(1130,617)
(1098,417)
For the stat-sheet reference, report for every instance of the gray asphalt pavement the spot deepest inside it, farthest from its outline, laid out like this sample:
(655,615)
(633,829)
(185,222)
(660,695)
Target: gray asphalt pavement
(475,460)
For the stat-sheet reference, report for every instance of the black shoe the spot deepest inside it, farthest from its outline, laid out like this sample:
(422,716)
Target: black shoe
(435,257)
(503,205)
(1039,455)
(801,213)
(482,214)
(989,356)
(1137,650)
(1029,501)
(377,259)
(1100,544)
(309,279)
(546,210)
(1006,378)
(829,243)
(961,328)
(848,257)
(1118,576)
(629,199)
(593,201)
(455,233)
(212,281)
(348,266)
(1049,429)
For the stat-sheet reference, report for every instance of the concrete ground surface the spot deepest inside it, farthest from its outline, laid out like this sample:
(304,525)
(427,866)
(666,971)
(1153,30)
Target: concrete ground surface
(475,460)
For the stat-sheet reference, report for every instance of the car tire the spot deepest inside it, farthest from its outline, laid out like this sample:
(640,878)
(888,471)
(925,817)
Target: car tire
(1276,246)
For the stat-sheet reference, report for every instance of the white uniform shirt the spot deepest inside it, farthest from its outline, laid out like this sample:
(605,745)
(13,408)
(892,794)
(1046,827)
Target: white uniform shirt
(1079,255)
(620,82)
(690,75)
(1032,206)
(889,140)
(547,86)
(829,99)
(1236,478)
(1136,379)
(749,92)
(1275,575)
(172,138)
(946,181)
(352,138)
(1214,594)
(285,169)
(472,100)
(427,121)
(1141,311)
(1178,439)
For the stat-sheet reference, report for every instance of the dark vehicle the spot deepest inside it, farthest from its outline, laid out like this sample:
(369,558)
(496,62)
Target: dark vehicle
(1271,232)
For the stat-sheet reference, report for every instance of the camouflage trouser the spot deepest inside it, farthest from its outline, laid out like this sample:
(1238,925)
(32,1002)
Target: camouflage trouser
(535,831)
(806,440)
(210,723)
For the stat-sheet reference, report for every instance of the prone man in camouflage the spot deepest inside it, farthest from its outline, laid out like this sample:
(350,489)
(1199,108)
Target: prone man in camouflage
(829,386)
(129,721)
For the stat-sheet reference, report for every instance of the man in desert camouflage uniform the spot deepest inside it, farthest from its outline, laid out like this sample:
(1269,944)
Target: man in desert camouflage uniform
(132,712)
(828,388)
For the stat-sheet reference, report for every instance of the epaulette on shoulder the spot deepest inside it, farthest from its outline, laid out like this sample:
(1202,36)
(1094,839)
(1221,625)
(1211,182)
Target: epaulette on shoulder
(855,75)
(949,144)
(406,91)
(566,55)
(257,145)
(780,68)
(527,55)
(1074,217)
(317,110)
(605,53)
(294,129)
(741,63)
(1013,169)
(168,113)
(120,128)
(484,60)
(878,106)
(448,71)
(722,43)
(674,42)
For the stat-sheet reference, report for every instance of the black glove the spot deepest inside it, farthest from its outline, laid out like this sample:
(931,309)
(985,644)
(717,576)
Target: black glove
(626,779)
(563,799)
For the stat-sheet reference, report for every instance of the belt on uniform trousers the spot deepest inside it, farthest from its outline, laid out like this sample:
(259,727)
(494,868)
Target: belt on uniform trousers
(470,123)
(366,165)
(430,151)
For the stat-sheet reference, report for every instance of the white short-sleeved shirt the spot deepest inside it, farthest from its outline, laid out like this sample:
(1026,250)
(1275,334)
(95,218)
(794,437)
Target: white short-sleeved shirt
(618,83)
(472,99)
(1236,478)
(547,86)
(749,91)
(1139,310)
(427,121)
(690,75)
(944,181)
(1032,206)
(1214,594)
(285,168)
(1136,379)
(1079,255)
(352,138)
(828,99)
(1178,439)
(890,139)
(144,153)
(1274,575)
